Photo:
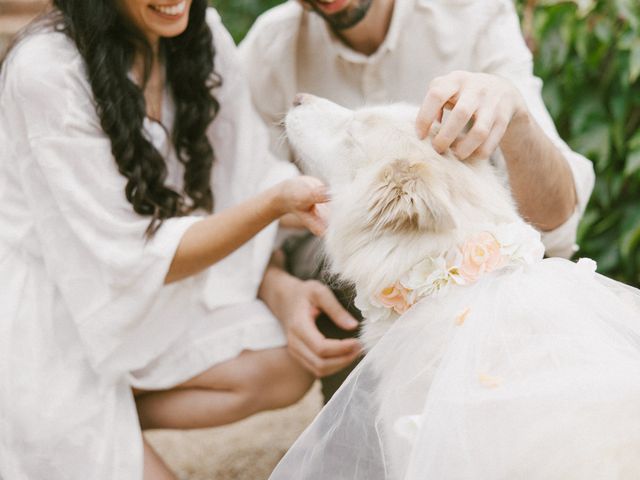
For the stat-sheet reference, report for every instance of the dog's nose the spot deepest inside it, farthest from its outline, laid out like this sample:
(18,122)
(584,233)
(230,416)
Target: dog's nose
(299,99)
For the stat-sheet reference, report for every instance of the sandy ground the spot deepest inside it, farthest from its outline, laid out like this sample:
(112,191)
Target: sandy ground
(247,450)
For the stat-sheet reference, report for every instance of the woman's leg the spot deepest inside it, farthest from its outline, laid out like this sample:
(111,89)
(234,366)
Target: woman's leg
(252,382)
(154,467)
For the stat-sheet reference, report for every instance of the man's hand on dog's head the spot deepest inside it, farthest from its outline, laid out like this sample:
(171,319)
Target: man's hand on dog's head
(490,102)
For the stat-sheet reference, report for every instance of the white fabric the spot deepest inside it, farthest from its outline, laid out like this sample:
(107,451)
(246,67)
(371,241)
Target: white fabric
(290,50)
(84,313)
(532,372)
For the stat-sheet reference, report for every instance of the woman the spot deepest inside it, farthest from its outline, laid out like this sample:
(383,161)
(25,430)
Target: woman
(129,172)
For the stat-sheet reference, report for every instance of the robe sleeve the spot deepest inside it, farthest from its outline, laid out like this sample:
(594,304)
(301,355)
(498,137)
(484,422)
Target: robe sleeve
(502,51)
(110,280)
(244,166)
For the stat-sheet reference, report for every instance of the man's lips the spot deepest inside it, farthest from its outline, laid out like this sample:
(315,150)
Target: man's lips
(331,6)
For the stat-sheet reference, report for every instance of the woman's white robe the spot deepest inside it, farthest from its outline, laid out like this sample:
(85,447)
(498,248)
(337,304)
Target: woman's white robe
(84,314)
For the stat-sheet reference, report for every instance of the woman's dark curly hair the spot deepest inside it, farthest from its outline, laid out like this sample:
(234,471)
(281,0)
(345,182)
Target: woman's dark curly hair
(107,43)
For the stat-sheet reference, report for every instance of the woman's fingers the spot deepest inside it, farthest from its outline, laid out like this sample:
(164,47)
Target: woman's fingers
(313,223)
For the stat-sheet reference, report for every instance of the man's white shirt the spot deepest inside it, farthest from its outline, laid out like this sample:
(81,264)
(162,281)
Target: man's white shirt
(291,50)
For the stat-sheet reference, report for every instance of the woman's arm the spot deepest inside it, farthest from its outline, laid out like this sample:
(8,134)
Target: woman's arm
(218,235)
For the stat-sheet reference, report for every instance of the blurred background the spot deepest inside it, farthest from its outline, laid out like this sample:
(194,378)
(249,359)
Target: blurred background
(588,54)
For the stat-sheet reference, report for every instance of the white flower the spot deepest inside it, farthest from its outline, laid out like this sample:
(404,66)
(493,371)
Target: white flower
(371,309)
(408,426)
(520,242)
(427,277)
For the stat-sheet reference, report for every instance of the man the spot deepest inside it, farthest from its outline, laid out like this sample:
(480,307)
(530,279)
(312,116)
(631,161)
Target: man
(470,58)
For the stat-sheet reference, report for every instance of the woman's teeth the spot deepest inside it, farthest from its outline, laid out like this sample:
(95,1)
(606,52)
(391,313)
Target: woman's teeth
(173,10)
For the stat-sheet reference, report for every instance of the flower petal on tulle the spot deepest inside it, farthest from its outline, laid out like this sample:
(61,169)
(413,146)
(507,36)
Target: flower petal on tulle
(462,316)
(489,381)
(408,426)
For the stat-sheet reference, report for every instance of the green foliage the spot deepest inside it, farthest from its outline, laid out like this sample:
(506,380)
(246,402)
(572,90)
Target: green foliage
(588,54)
(238,15)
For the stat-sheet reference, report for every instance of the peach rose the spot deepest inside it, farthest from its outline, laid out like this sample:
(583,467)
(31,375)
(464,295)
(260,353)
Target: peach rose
(397,297)
(480,255)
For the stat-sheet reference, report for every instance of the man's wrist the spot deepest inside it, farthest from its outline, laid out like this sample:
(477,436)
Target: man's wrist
(520,128)
(276,284)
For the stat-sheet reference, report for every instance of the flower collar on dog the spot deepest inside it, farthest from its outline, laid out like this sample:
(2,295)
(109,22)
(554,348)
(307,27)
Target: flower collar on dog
(482,252)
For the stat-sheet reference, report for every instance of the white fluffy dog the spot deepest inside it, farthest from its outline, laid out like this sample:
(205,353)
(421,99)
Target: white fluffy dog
(395,200)
(503,365)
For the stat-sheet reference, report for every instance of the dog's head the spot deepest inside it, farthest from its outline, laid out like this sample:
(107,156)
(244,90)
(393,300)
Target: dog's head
(377,150)
(385,181)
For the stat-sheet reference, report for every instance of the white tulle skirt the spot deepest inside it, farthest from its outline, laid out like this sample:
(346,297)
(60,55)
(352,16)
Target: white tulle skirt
(531,373)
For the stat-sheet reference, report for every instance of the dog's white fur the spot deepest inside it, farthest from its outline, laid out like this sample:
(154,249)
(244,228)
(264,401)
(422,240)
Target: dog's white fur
(394,199)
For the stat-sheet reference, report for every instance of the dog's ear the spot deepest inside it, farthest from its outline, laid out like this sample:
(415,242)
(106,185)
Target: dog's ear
(407,196)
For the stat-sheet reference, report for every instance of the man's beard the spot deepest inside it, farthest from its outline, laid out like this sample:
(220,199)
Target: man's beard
(346,18)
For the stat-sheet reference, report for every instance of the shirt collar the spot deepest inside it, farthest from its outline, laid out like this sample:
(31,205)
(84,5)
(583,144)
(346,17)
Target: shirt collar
(401,11)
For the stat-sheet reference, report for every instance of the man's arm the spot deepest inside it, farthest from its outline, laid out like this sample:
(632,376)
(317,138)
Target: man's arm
(551,183)
(540,177)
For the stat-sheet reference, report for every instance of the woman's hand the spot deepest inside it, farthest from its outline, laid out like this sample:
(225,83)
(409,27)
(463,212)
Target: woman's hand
(301,198)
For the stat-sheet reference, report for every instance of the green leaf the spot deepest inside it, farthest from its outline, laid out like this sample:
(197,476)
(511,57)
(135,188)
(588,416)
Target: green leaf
(634,61)
(594,143)
(630,240)
(632,165)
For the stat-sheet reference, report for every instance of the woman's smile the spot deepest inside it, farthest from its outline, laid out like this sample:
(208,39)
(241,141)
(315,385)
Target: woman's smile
(157,18)
(172,11)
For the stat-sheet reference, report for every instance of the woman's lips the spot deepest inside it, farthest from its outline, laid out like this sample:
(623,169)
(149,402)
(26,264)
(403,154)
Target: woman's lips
(173,11)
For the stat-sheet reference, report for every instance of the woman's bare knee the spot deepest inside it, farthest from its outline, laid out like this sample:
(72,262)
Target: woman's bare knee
(276,381)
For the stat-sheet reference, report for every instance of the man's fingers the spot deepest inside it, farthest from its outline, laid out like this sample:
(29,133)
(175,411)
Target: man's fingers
(438,95)
(478,134)
(456,122)
(329,304)
(307,332)
(332,347)
(303,355)
(321,367)
(333,365)
(491,144)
